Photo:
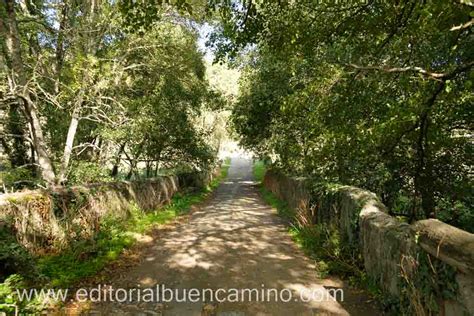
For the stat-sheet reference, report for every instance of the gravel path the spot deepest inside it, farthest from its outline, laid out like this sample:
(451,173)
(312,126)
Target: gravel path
(234,241)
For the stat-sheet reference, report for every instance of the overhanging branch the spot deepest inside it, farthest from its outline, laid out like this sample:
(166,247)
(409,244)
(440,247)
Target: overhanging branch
(440,76)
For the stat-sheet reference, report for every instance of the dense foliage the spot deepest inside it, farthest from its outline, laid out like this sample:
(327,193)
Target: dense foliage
(83,98)
(373,94)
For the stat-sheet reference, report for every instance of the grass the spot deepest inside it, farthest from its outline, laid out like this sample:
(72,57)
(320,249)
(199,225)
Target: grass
(282,208)
(86,258)
(259,169)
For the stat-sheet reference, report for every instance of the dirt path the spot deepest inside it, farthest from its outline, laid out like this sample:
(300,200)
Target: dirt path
(235,241)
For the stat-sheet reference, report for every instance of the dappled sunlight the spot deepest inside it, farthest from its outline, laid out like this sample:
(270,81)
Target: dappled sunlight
(235,241)
(186,260)
(141,238)
(147,281)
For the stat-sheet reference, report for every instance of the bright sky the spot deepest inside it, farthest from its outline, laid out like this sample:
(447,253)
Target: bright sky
(204,32)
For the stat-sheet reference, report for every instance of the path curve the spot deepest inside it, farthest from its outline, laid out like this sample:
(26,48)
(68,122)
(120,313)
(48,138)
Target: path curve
(235,241)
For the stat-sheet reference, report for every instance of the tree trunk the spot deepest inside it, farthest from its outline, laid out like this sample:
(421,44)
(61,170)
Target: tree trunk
(6,147)
(423,173)
(34,169)
(18,154)
(60,45)
(47,171)
(157,167)
(148,168)
(115,169)
(71,134)
(18,81)
(97,149)
(132,169)
(30,11)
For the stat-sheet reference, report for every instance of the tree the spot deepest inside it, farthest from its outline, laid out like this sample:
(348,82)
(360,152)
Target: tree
(82,85)
(19,88)
(368,94)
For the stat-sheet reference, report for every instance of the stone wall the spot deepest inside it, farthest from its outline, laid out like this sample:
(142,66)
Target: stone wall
(389,248)
(47,221)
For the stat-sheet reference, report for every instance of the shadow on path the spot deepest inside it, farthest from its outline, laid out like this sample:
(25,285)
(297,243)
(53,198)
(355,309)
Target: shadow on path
(235,241)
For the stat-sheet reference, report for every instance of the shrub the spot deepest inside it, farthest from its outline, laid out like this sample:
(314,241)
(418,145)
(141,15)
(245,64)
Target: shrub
(14,258)
(88,172)
(17,178)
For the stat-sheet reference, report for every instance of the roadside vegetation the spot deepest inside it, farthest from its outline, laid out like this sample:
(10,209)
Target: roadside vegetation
(86,258)
(85,99)
(375,95)
(259,169)
(372,94)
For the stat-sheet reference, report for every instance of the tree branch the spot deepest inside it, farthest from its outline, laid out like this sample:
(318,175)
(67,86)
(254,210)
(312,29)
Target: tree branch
(462,26)
(440,76)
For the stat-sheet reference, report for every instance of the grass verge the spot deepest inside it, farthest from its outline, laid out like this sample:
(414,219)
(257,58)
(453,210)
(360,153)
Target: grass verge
(86,258)
(259,169)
